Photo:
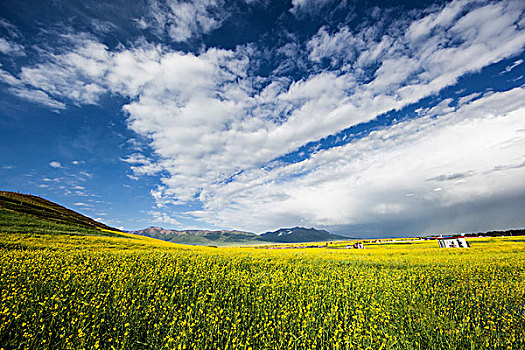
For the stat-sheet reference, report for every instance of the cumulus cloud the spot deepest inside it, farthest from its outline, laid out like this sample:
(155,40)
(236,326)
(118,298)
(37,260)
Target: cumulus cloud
(55,164)
(182,20)
(200,147)
(82,204)
(101,26)
(468,98)
(74,75)
(307,7)
(162,217)
(394,172)
(10,48)
(18,88)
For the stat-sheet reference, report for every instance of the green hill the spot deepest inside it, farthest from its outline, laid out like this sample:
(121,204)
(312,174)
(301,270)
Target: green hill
(23,213)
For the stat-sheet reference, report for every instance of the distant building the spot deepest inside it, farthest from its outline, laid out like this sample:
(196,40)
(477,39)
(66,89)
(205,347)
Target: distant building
(450,242)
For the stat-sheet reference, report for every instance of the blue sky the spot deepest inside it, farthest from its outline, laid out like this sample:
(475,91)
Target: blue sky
(368,119)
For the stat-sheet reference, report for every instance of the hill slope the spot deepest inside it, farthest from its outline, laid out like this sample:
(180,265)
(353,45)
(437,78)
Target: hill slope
(23,213)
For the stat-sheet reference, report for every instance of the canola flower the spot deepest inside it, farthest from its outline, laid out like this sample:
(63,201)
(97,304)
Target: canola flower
(118,293)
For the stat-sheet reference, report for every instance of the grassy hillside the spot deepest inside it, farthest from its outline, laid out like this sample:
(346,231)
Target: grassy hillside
(23,213)
(33,223)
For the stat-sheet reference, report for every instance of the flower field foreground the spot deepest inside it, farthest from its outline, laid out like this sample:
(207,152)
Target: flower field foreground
(117,293)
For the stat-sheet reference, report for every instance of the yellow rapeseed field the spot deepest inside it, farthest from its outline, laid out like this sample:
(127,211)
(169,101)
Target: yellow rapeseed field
(73,292)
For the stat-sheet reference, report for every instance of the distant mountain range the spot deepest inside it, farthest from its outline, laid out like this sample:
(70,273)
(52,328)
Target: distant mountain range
(199,237)
(205,237)
(299,234)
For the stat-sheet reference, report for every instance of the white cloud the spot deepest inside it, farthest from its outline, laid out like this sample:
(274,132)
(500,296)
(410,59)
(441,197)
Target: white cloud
(18,88)
(55,164)
(162,217)
(512,66)
(468,98)
(441,108)
(82,204)
(11,30)
(308,7)
(9,79)
(387,173)
(182,20)
(101,26)
(85,174)
(75,75)
(437,21)
(10,48)
(38,96)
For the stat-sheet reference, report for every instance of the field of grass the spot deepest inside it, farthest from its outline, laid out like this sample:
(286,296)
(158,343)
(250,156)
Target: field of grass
(74,292)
